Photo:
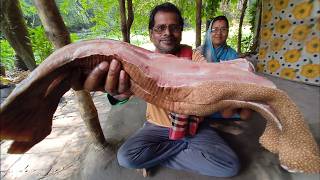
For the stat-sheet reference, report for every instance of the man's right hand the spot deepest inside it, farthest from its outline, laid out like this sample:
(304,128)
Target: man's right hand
(110,78)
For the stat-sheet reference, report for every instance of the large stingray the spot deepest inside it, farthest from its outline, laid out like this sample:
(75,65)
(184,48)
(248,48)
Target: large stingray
(183,87)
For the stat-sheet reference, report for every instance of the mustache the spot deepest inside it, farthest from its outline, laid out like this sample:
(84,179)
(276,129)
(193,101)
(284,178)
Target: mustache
(168,39)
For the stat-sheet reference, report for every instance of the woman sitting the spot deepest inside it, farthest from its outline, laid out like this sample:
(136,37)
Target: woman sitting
(215,48)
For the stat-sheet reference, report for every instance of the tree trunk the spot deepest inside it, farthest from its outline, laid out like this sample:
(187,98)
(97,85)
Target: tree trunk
(52,22)
(15,31)
(2,70)
(19,64)
(124,28)
(130,18)
(198,22)
(126,22)
(59,36)
(257,28)
(244,7)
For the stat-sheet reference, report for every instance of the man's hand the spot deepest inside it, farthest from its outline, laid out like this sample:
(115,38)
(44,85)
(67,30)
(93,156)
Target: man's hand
(244,113)
(110,78)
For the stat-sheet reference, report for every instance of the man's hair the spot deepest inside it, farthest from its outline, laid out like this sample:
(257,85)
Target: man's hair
(223,18)
(165,7)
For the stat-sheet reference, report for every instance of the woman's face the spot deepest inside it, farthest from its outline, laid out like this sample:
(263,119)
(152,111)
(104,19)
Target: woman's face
(219,33)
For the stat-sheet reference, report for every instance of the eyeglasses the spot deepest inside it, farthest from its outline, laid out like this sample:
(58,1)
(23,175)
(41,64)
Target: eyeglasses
(221,30)
(163,27)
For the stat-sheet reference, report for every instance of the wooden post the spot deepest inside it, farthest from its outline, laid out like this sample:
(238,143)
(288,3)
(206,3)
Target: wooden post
(59,35)
(89,114)
(243,11)
(124,28)
(256,40)
(198,22)
(126,22)
(130,18)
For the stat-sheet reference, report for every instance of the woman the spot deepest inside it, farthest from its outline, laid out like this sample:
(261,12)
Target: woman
(215,48)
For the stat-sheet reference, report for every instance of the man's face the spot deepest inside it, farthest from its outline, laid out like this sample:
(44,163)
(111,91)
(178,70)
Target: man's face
(166,33)
(219,33)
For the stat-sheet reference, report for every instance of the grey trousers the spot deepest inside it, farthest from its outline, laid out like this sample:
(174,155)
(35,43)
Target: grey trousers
(205,153)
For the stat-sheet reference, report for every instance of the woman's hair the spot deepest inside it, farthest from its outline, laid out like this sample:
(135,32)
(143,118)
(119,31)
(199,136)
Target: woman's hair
(165,7)
(224,18)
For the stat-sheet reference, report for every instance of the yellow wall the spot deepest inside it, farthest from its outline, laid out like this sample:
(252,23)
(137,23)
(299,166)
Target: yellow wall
(290,40)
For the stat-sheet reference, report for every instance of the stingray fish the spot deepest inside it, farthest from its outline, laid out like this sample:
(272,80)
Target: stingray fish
(177,85)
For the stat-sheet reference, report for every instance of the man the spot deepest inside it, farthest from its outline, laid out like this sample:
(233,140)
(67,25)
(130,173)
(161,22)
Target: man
(205,152)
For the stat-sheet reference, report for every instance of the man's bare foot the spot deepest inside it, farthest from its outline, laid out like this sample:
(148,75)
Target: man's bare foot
(144,172)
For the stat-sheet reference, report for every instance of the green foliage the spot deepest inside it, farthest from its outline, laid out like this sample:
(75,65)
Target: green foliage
(251,14)
(42,48)
(210,8)
(7,54)
(88,19)
(232,40)
(142,10)
(30,13)
(96,18)
(74,37)
(188,8)
(229,9)
(27,8)
(246,43)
